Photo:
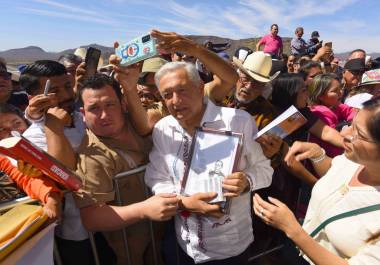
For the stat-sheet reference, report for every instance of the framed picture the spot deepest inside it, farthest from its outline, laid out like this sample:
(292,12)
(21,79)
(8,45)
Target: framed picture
(214,154)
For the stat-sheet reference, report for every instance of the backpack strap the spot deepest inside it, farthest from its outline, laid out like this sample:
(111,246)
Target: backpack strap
(367,209)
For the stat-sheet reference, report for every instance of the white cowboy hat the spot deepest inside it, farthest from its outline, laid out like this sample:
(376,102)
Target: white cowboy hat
(81,52)
(257,65)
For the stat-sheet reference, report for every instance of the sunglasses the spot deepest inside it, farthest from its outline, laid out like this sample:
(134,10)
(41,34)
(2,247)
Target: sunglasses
(5,75)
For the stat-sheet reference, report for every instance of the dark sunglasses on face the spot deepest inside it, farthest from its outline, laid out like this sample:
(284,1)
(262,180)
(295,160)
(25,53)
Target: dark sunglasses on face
(6,75)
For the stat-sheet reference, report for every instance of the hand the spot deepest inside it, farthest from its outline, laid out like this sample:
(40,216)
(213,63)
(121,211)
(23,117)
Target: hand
(276,214)
(28,169)
(235,184)
(53,206)
(198,203)
(80,75)
(302,150)
(160,207)
(271,144)
(126,76)
(57,118)
(322,52)
(171,42)
(39,104)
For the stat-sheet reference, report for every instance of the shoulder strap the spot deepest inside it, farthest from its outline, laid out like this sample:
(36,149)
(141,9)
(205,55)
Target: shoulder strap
(367,209)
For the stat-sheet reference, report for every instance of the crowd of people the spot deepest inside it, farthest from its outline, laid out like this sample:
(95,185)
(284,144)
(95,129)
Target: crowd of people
(316,192)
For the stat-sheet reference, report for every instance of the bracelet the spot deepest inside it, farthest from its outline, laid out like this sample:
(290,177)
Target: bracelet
(319,158)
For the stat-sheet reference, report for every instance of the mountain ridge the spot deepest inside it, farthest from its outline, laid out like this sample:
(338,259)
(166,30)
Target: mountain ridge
(32,53)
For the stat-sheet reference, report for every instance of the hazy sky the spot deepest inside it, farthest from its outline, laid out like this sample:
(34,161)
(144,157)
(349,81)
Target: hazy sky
(55,25)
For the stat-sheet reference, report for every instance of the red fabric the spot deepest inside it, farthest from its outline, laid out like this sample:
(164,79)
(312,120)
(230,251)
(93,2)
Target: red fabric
(36,188)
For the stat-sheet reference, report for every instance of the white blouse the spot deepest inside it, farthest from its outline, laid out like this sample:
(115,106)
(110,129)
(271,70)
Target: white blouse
(332,195)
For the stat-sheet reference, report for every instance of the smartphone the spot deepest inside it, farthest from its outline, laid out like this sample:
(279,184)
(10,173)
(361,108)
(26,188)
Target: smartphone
(92,61)
(137,50)
(328,44)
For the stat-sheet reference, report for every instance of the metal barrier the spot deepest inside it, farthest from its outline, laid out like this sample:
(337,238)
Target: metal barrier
(117,178)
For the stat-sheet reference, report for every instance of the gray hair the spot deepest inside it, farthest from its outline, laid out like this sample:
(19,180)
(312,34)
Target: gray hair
(190,69)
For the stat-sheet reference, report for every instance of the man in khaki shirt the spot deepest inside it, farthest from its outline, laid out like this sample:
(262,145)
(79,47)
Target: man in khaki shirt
(111,146)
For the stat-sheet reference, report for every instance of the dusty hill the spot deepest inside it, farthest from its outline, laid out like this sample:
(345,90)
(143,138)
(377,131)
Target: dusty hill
(33,53)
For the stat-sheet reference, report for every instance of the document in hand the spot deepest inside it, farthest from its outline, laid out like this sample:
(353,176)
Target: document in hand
(214,155)
(289,121)
(17,225)
(21,148)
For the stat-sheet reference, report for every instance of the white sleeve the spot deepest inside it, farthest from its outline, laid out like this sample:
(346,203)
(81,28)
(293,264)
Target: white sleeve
(257,167)
(157,175)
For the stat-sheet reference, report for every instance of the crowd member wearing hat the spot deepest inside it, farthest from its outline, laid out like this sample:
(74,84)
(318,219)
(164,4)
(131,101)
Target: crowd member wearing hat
(147,90)
(352,74)
(314,43)
(367,88)
(254,75)
(272,43)
(18,99)
(298,45)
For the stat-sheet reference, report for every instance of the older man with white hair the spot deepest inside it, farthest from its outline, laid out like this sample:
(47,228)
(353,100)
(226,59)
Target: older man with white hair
(204,233)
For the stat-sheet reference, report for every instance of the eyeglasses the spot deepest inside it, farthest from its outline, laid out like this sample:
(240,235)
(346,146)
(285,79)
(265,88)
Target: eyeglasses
(245,81)
(6,75)
(355,136)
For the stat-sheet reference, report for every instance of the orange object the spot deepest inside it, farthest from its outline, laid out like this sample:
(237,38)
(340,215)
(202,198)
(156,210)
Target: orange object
(36,188)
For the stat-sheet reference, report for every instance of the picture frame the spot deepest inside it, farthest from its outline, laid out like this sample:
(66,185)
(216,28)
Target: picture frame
(214,154)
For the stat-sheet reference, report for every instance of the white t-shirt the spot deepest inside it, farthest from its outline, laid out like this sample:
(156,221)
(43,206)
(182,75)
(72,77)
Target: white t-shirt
(331,196)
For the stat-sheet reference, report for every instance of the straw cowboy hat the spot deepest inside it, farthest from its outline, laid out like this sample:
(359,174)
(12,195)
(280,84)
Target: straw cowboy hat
(81,52)
(258,66)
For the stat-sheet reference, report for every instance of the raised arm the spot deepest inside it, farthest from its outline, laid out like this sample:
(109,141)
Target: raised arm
(58,146)
(127,78)
(225,76)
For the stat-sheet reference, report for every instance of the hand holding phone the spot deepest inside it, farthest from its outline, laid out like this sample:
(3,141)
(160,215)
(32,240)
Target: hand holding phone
(328,44)
(136,50)
(92,61)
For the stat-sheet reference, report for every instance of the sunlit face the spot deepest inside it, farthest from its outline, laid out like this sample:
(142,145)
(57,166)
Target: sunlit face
(148,92)
(62,87)
(299,33)
(5,86)
(313,72)
(302,97)
(11,122)
(352,78)
(71,70)
(103,112)
(290,63)
(274,30)
(332,97)
(182,97)
(358,144)
(248,89)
